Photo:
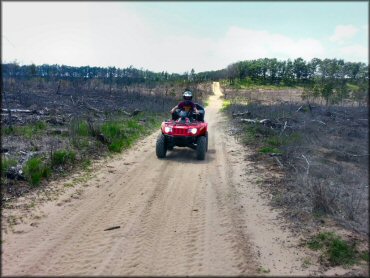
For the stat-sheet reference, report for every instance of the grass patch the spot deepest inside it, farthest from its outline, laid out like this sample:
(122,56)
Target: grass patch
(80,128)
(27,131)
(267,139)
(6,163)
(269,150)
(336,250)
(62,157)
(256,133)
(122,133)
(35,170)
(226,104)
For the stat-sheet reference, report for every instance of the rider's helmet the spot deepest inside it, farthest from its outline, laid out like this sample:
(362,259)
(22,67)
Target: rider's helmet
(187,95)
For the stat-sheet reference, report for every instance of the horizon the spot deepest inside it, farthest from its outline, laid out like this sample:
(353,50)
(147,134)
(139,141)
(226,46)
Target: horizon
(146,69)
(176,36)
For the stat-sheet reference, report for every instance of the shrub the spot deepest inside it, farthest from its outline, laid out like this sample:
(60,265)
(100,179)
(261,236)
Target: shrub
(6,164)
(334,248)
(35,170)
(275,141)
(62,157)
(80,128)
(121,134)
(340,252)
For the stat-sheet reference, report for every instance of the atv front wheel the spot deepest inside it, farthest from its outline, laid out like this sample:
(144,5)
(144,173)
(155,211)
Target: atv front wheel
(161,146)
(201,147)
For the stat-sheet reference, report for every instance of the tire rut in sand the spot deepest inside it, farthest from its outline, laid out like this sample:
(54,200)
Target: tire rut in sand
(230,222)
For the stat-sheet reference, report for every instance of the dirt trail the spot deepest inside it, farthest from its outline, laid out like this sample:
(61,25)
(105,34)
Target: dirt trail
(177,216)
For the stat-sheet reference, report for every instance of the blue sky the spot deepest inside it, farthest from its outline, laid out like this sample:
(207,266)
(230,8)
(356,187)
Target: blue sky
(178,36)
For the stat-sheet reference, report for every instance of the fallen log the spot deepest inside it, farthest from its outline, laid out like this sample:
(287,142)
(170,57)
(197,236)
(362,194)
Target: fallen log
(13,116)
(88,106)
(241,114)
(249,121)
(318,121)
(55,121)
(265,122)
(278,161)
(302,108)
(19,111)
(135,112)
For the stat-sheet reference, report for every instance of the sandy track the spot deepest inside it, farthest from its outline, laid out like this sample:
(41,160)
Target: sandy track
(177,216)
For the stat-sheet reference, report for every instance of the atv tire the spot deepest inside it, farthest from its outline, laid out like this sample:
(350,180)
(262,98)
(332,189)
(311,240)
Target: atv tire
(201,147)
(161,146)
(207,141)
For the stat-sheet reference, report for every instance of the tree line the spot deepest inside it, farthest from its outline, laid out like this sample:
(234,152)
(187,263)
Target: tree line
(331,79)
(78,79)
(124,76)
(334,80)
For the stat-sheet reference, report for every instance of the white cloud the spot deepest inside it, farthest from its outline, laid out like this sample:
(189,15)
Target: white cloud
(343,33)
(243,44)
(356,52)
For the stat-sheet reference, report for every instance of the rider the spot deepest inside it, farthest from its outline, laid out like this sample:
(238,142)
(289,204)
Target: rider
(186,105)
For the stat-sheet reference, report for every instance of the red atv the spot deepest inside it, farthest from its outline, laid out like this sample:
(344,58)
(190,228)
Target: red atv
(184,130)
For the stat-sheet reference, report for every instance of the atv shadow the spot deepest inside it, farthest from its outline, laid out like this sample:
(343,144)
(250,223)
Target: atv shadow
(186,155)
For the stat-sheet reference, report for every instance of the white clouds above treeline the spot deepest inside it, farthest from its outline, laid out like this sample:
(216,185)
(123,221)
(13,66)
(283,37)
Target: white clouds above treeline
(344,33)
(90,35)
(254,44)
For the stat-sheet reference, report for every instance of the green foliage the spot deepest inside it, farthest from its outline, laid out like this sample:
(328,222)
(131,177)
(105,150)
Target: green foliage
(62,157)
(352,87)
(80,128)
(6,163)
(334,248)
(365,256)
(275,141)
(121,134)
(27,131)
(35,170)
(268,150)
(225,105)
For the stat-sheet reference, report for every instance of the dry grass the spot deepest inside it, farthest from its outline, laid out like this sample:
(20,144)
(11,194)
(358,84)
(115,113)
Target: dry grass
(323,150)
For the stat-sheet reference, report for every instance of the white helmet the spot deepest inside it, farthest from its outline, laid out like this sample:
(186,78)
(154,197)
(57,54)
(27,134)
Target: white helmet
(187,95)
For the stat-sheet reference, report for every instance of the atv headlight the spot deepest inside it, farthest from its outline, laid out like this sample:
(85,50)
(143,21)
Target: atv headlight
(193,130)
(167,129)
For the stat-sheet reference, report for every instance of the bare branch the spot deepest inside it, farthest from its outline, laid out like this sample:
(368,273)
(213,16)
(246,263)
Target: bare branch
(308,164)
(321,122)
